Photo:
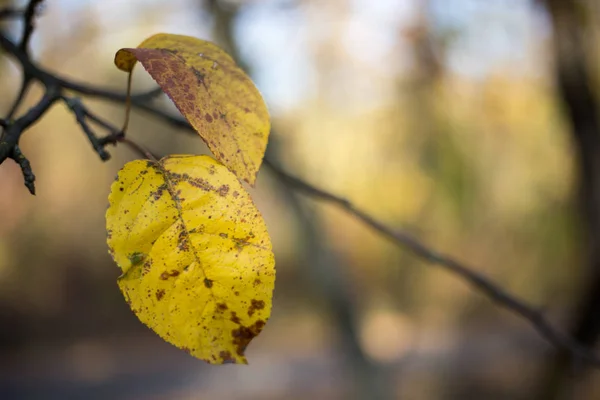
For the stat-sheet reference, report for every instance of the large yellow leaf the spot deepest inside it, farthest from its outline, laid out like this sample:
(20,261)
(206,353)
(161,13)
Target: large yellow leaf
(195,254)
(213,94)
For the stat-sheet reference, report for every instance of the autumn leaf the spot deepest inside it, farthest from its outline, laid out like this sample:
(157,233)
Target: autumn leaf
(213,94)
(195,254)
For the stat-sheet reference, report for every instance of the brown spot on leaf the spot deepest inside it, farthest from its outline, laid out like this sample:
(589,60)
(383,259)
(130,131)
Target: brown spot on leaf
(243,335)
(146,267)
(208,283)
(234,318)
(159,191)
(223,235)
(221,307)
(195,182)
(160,294)
(208,118)
(226,357)
(255,305)
(257,282)
(223,190)
(182,242)
(166,275)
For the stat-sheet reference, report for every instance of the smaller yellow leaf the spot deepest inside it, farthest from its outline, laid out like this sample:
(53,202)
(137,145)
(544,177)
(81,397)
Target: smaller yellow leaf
(215,95)
(195,254)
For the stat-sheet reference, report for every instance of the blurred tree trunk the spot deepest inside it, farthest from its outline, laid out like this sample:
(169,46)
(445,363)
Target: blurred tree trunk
(571,45)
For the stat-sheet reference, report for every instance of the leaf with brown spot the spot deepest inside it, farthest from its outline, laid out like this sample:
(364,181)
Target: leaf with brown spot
(215,95)
(183,273)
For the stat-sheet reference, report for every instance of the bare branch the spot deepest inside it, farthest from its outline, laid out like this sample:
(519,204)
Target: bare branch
(141,150)
(106,94)
(479,282)
(81,115)
(25,84)
(14,129)
(28,23)
(31,69)
(28,176)
(6,13)
(55,85)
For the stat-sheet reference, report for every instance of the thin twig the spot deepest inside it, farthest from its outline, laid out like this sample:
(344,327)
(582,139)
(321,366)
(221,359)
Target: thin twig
(102,93)
(138,148)
(11,13)
(112,129)
(81,114)
(25,84)
(52,79)
(28,23)
(28,176)
(15,129)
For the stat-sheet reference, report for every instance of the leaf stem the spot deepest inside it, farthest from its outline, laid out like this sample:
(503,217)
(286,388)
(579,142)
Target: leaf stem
(127,103)
(138,148)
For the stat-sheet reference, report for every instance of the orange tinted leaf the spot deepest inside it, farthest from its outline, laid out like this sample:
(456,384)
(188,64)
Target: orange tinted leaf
(213,94)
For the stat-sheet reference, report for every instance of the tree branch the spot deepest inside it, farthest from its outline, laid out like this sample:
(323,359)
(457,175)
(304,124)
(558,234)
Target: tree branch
(25,165)
(473,278)
(14,130)
(6,13)
(28,23)
(25,84)
(55,85)
(81,115)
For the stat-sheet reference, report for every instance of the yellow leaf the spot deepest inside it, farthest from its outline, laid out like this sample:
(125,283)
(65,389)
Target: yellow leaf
(213,94)
(195,254)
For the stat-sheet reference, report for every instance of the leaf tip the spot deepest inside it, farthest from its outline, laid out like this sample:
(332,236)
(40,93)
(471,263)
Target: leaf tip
(125,59)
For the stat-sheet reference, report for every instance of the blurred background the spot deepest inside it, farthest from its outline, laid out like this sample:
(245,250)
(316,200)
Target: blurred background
(438,116)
